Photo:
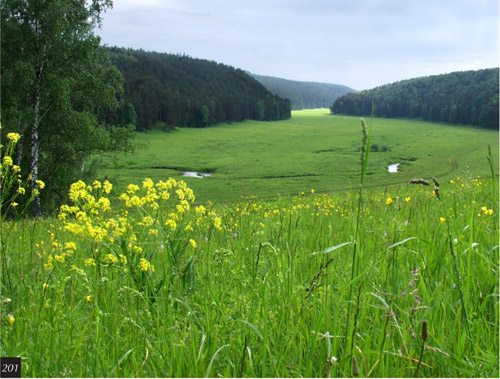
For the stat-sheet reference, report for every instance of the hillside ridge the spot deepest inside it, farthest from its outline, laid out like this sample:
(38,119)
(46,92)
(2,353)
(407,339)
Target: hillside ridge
(462,97)
(303,94)
(166,90)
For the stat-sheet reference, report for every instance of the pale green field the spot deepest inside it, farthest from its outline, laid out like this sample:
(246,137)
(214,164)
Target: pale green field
(311,150)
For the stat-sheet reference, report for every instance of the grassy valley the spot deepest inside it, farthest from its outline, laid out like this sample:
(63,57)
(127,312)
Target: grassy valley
(311,150)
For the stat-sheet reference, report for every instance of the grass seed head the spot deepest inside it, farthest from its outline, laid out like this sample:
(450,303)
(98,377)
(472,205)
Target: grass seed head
(355,367)
(436,182)
(419,181)
(436,192)
(425,333)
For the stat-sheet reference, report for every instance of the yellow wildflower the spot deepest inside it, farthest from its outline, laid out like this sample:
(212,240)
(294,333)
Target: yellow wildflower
(144,265)
(11,319)
(45,286)
(107,186)
(135,201)
(200,209)
(88,298)
(408,199)
(180,194)
(442,219)
(388,201)
(70,246)
(218,223)
(147,183)
(13,137)
(7,161)
(49,265)
(148,221)
(40,184)
(59,258)
(171,223)
(132,189)
(21,191)
(192,242)
(110,258)
(89,262)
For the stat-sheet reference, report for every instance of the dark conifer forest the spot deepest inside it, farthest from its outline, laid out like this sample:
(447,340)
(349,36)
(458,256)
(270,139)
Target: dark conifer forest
(165,90)
(468,97)
(304,95)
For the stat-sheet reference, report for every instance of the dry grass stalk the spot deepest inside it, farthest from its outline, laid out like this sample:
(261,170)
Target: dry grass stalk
(424,334)
(318,275)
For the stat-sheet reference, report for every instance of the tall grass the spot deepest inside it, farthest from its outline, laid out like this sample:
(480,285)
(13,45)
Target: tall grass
(269,293)
(153,285)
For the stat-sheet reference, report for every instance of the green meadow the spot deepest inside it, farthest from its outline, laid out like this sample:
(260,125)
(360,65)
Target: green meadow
(311,150)
(396,279)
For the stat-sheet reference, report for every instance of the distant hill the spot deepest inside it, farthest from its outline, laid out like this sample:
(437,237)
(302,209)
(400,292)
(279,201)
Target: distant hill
(176,90)
(467,97)
(304,95)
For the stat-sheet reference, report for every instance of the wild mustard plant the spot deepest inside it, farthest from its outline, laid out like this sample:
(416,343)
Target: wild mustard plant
(14,190)
(154,219)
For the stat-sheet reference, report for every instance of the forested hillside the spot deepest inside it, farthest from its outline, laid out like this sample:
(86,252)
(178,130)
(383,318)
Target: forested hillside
(304,95)
(468,97)
(171,90)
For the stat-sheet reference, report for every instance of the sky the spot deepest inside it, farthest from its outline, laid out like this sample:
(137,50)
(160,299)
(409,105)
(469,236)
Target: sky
(358,43)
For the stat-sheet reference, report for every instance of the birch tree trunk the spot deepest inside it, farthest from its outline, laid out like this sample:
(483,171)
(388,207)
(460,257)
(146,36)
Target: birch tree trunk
(35,152)
(35,138)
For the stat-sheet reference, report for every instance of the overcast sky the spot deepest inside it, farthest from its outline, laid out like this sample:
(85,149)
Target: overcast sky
(357,43)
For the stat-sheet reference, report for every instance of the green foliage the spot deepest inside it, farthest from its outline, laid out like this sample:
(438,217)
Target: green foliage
(183,91)
(55,79)
(469,97)
(304,95)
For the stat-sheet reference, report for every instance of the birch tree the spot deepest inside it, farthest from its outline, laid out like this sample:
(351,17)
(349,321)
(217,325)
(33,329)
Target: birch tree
(55,77)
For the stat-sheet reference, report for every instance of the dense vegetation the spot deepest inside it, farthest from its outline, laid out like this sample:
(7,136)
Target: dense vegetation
(54,80)
(304,95)
(401,282)
(177,90)
(469,97)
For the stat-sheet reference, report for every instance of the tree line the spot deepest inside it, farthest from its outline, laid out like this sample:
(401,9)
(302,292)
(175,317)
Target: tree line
(304,95)
(66,98)
(468,97)
(55,81)
(167,90)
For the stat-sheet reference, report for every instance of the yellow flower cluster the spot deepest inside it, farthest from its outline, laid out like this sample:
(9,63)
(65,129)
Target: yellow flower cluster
(145,265)
(150,212)
(487,211)
(13,137)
